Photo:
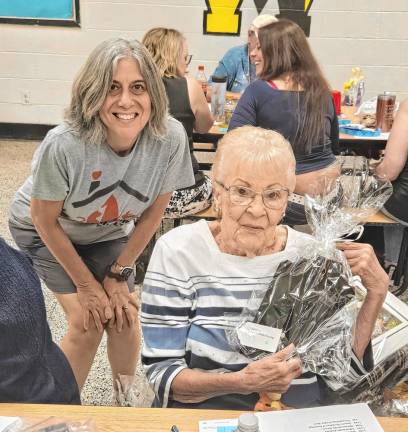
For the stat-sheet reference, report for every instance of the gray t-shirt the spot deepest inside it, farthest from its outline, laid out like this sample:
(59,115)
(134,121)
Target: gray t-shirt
(103,193)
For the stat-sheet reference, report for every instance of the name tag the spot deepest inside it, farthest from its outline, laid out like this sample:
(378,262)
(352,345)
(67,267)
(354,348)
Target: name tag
(259,336)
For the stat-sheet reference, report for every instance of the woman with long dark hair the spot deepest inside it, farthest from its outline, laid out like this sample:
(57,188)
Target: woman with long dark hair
(292,97)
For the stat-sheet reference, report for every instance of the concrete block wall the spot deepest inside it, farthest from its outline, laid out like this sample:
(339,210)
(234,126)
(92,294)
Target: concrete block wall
(39,63)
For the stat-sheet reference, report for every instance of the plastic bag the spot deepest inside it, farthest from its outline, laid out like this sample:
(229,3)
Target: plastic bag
(371,387)
(311,297)
(394,408)
(390,353)
(59,424)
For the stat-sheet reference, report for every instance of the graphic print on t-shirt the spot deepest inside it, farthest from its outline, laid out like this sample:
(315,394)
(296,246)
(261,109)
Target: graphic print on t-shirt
(108,213)
(96,175)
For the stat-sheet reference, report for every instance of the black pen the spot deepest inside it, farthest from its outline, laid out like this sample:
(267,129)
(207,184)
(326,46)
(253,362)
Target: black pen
(174,428)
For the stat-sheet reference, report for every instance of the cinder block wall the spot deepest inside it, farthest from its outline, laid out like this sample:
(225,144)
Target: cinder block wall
(39,63)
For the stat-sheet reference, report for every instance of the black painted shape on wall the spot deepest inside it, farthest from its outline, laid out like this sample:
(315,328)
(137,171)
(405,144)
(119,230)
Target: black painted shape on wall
(260,4)
(295,10)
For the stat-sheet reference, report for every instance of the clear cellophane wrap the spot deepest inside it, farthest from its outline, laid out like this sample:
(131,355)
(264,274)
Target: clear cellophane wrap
(312,295)
(56,424)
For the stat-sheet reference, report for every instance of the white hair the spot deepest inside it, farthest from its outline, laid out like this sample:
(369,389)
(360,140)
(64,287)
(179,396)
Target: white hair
(261,21)
(254,145)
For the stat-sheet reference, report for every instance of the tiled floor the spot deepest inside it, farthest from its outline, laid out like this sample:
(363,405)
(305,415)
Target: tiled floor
(15,160)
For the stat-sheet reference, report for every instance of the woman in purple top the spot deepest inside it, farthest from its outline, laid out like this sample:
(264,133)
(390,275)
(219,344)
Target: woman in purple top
(292,97)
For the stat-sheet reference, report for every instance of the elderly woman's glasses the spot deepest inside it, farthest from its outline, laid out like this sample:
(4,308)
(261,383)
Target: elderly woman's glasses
(273,199)
(188,58)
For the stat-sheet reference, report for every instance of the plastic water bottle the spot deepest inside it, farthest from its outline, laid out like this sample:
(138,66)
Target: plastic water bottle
(360,92)
(248,422)
(202,79)
(218,88)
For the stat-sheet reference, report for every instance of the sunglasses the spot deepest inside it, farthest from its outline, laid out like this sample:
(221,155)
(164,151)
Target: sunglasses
(188,58)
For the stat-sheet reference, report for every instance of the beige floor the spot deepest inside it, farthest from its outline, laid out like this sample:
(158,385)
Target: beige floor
(15,162)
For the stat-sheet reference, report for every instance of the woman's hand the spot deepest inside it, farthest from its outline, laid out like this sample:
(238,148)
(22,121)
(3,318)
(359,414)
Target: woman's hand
(273,373)
(364,263)
(122,303)
(95,302)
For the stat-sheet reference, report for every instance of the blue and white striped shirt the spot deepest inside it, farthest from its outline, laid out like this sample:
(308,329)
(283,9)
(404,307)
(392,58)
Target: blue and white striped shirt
(192,293)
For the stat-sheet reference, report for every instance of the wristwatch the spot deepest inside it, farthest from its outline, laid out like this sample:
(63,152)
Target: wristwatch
(119,272)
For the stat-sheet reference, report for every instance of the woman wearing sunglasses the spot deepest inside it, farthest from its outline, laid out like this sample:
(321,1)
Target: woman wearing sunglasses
(188,105)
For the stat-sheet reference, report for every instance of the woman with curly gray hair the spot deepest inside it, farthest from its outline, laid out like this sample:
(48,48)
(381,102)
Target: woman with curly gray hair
(99,185)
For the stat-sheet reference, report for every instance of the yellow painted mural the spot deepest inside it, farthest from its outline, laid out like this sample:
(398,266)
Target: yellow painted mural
(223,17)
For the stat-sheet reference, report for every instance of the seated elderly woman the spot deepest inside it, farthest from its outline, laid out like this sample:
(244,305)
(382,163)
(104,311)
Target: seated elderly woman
(202,271)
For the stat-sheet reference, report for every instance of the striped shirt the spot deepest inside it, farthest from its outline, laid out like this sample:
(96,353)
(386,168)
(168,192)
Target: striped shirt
(192,293)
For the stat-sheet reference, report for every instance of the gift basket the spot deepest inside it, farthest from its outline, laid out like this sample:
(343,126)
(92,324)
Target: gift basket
(312,300)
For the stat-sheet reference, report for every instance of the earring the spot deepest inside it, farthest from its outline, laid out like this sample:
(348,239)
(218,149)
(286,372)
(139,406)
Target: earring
(217,209)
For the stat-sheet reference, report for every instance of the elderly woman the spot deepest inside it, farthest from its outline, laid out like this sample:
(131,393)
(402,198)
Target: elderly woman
(201,272)
(187,104)
(292,97)
(99,185)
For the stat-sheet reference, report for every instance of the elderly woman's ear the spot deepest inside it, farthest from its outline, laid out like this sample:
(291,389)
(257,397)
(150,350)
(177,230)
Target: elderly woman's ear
(216,197)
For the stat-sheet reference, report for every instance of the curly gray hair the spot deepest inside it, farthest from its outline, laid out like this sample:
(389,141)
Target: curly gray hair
(92,84)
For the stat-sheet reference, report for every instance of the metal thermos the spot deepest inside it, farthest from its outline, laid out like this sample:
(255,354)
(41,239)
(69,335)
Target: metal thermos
(385,111)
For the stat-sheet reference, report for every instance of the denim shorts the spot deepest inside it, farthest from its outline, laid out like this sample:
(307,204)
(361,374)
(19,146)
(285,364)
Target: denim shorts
(96,256)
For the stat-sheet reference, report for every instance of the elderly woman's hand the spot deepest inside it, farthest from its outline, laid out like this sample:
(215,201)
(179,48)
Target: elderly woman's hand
(273,373)
(364,263)
(122,303)
(95,302)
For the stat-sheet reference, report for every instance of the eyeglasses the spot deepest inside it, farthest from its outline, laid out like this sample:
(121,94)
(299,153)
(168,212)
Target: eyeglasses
(273,199)
(188,58)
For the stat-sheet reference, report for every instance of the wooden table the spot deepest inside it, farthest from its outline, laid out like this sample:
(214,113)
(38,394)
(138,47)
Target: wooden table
(112,419)
(205,159)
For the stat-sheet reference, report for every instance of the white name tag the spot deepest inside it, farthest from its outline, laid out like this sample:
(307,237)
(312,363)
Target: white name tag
(259,336)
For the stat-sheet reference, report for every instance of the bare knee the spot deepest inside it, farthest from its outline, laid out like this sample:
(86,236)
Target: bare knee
(79,335)
(74,314)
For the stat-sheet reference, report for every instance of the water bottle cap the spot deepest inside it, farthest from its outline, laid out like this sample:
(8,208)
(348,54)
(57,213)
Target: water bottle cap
(219,79)
(248,422)
(200,67)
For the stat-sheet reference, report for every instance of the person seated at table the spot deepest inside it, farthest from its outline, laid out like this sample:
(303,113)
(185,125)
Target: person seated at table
(394,167)
(100,183)
(199,273)
(236,64)
(187,104)
(32,367)
(292,97)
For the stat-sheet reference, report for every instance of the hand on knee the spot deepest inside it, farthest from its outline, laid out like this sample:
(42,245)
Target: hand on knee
(125,319)
(77,331)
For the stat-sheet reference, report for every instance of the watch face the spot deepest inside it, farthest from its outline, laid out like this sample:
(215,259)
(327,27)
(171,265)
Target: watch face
(126,272)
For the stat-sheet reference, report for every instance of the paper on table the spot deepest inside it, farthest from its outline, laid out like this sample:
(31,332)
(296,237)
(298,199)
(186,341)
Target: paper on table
(228,425)
(335,418)
(10,423)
